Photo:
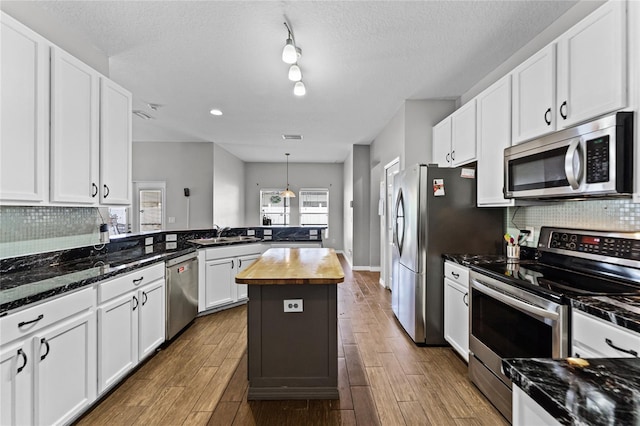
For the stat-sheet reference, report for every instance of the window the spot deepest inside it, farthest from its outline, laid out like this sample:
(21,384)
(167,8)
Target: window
(314,207)
(274,209)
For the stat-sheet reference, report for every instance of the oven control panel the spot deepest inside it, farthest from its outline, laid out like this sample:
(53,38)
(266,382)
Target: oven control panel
(624,248)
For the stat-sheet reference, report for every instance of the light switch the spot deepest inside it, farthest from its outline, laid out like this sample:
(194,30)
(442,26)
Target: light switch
(251,232)
(171,237)
(148,241)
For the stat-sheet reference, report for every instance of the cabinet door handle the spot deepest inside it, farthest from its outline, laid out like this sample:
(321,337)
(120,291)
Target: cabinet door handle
(24,359)
(144,293)
(95,190)
(135,299)
(239,263)
(232,264)
(448,160)
(46,343)
(23,323)
(465,298)
(455,275)
(453,155)
(106,191)
(138,280)
(547,117)
(563,114)
(618,348)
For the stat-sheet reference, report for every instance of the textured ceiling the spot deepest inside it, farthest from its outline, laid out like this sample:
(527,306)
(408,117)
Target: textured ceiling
(360,61)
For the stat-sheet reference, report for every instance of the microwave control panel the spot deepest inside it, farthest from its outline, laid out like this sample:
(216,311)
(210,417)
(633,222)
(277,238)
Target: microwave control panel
(605,246)
(598,160)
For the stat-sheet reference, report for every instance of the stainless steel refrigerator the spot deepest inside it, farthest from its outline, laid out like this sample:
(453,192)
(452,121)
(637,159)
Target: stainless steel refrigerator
(435,213)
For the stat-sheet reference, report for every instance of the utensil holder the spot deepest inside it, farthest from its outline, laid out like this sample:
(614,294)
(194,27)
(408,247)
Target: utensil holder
(513,253)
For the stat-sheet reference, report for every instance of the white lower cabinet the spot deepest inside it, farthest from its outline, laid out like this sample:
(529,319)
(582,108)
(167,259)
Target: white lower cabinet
(48,361)
(218,269)
(527,412)
(456,308)
(131,321)
(592,337)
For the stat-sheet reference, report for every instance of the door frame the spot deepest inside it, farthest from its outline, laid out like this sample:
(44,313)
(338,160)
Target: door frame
(386,236)
(135,202)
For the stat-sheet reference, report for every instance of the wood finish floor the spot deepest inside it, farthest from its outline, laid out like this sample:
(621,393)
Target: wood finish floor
(384,379)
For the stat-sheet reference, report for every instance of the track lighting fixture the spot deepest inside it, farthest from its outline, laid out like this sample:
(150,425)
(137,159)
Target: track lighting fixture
(290,55)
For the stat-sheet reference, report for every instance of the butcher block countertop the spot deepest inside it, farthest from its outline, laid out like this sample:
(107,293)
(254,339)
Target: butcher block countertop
(281,266)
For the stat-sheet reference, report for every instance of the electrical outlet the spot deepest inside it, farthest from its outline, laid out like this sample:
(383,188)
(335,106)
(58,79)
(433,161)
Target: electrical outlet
(530,237)
(293,305)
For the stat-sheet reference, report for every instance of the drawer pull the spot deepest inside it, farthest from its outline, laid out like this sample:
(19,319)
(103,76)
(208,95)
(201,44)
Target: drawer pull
(24,359)
(23,323)
(43,340)
(627,351)
(456,276)
(138,281)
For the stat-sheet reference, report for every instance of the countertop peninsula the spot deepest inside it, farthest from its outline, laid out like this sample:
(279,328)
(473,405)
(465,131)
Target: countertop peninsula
(285,266)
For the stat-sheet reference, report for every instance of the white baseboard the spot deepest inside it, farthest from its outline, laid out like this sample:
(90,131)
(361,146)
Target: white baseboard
(360,268)
(375,269)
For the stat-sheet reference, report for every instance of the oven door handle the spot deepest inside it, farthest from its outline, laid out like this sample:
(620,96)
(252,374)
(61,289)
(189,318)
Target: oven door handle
(515,302)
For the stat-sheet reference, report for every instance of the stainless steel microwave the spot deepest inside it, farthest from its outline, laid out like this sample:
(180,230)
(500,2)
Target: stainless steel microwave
(592,159)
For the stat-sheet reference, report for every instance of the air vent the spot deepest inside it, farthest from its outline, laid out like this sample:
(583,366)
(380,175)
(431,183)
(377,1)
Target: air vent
(142,114)
(292,137)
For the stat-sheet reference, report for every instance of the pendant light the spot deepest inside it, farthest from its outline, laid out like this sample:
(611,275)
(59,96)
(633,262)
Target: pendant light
(290,53)
(287,193)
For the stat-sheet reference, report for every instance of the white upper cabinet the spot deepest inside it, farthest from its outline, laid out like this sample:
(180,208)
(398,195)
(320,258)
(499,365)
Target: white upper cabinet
(592,66)
(24,114)
(115,143)
(454,138)
(463,134)
(580,76)
(442,143)
(74,130)
(494,135)
(534,94)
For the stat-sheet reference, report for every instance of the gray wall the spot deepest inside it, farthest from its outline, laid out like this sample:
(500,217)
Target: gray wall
(348,207)
(301,175)
(228,188)
(361,206)
(181,165)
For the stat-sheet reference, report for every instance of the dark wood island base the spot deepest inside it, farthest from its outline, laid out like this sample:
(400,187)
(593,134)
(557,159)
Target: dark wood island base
(293,355)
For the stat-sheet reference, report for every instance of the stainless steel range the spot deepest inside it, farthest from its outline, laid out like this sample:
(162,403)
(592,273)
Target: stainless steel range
(521,309)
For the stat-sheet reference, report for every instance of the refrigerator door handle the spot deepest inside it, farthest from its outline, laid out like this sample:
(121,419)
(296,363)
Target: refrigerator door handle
(398,228)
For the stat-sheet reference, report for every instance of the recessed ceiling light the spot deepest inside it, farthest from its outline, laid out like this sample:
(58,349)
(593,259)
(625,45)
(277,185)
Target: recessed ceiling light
(292,137)
(215,112)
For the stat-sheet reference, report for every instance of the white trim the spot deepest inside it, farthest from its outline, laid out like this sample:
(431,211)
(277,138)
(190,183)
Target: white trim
(391,163)
(374,268)
(381,282)
(360,268)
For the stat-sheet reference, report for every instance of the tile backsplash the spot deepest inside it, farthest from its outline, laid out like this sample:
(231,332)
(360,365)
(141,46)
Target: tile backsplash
(602,215)
(28,230)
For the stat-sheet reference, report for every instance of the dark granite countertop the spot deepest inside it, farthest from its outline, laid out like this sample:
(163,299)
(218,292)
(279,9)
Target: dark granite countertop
(26,285)
(620,310)
(605,392)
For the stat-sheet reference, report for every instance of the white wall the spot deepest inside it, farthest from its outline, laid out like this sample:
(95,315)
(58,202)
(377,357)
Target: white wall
(60,34)
(228,188)
(181,165)
(301,175)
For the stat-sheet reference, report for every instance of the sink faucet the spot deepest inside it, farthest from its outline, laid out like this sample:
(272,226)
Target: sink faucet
(222,231)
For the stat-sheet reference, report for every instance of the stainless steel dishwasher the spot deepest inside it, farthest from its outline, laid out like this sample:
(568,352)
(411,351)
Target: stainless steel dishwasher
(182,293)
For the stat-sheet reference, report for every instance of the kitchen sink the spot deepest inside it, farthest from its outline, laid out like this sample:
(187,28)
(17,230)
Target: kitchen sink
(225,240)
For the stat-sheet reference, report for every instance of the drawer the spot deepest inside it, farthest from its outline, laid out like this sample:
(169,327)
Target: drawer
(27,321)
(107,290)
(457,273)
(602,337)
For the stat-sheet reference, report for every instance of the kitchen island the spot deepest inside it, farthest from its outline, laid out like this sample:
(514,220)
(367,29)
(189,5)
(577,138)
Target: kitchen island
(292,324)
